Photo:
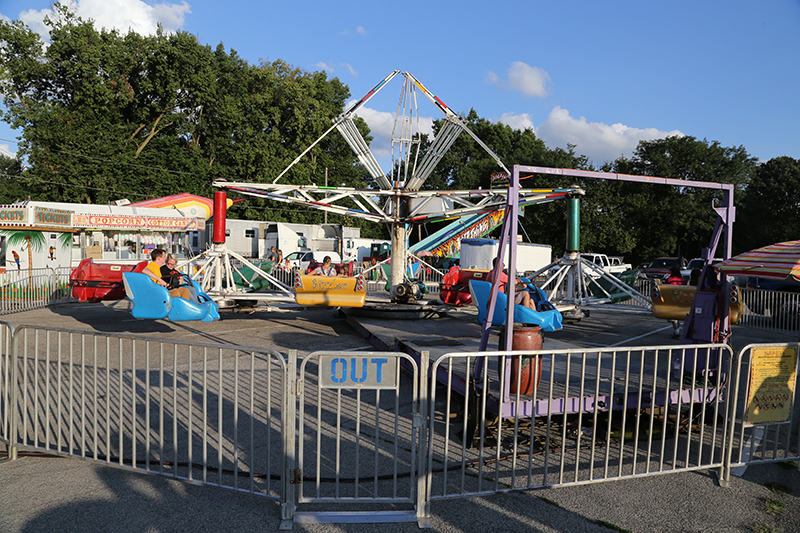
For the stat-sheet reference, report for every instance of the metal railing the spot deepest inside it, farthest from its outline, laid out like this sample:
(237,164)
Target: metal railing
(763,407)
(321,431)
(599,415)
(770,310)
(208,413)
(358,438)
(23,290)
(7,400)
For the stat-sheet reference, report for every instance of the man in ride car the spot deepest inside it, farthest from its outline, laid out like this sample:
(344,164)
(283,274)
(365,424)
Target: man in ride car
(153,269)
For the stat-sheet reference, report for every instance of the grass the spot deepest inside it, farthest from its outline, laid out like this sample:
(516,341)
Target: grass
(773,506)
(548,500)
(764,528)
(788,465)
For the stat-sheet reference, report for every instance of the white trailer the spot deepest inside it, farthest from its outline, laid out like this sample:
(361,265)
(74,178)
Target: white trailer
(478,254)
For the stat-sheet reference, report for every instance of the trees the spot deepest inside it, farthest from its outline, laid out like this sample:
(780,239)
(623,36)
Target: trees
(769,211)
(106,115)
(665,220)
(13,186)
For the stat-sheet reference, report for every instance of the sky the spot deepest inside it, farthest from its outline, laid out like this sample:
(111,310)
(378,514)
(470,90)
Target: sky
(601,76)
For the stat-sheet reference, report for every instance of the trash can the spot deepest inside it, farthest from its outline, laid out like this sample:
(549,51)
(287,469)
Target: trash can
(528,338)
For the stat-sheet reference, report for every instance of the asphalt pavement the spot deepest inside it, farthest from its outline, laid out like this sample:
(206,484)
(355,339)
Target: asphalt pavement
(64,494)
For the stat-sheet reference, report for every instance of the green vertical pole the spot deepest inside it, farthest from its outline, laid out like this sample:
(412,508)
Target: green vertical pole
(573,225)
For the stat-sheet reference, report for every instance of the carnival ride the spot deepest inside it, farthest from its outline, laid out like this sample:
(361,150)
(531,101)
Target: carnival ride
(95,282)
(152,301)
(399,200)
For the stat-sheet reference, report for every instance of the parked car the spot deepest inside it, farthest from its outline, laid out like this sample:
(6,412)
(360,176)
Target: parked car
(698,264)
(661,266)
(302,260)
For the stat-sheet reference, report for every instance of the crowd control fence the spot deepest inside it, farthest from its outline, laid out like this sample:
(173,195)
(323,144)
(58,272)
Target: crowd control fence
(377,436)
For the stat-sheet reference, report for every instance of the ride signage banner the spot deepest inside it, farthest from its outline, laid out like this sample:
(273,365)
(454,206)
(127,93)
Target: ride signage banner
(137,222)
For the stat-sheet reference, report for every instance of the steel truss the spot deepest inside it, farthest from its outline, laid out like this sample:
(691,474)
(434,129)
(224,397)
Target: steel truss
(391,203)
(368,201)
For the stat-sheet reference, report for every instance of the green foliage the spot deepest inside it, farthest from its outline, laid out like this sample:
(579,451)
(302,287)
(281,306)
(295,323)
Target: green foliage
(770,209)
(106,115)
(664,220)
(13,185)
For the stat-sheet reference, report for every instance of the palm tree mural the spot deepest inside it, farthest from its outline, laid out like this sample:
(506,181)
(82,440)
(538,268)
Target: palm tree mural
(31,240)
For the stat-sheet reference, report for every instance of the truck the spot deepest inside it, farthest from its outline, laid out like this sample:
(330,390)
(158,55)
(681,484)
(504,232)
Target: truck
(610,265)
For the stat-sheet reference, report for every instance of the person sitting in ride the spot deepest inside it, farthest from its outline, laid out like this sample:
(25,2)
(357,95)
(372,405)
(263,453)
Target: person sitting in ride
(325,269)
(175,278)
(675,278)
(521,296)
(153,269)
(342,271)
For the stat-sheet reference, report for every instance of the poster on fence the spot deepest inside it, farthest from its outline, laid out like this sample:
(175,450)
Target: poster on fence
(773,372)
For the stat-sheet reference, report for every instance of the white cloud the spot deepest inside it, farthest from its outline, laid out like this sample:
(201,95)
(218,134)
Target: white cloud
(517,122)
(324,66)
(599,142)
(6,151)
(380,125)
(35,21)
(523,78)
(122,15)
(360,30)
(4,18)
(349,67)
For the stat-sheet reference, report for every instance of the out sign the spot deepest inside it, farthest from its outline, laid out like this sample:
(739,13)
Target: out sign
(358,372)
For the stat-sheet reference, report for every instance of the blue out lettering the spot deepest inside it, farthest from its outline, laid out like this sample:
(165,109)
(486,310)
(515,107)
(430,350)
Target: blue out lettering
(358,371)
(363,371)
(378,364)
(334,377)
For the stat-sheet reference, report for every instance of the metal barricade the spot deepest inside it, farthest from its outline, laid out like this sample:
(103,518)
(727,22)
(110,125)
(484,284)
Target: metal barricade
(346,433)
(6,378)
(592,415)
(770,310)
(23,290)
(359,435)
(765,423)
(201,412)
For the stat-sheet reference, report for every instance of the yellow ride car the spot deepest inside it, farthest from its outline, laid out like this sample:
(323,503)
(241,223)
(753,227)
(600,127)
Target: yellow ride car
(331,291)
(673,302)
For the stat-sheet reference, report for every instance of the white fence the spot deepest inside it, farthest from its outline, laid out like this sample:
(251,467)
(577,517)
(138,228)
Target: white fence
(598,415)
(770,310)
(208,413)
(347,430)
(23,290)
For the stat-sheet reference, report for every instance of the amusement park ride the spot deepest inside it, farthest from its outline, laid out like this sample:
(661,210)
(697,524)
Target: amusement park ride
(400,202)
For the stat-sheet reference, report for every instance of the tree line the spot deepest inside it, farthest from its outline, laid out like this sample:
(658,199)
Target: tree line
(105,115)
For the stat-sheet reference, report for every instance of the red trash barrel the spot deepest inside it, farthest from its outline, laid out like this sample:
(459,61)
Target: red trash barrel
(527,338)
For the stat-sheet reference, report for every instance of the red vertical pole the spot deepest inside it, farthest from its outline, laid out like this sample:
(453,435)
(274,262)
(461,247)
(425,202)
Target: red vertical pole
(220,208)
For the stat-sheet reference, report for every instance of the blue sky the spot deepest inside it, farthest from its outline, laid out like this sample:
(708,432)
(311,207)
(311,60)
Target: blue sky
(599,75)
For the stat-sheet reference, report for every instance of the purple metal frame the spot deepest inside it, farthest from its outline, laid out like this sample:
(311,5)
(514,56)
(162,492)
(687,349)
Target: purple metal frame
(726,215)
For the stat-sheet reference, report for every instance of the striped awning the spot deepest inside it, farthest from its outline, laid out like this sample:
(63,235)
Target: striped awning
(776,261)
